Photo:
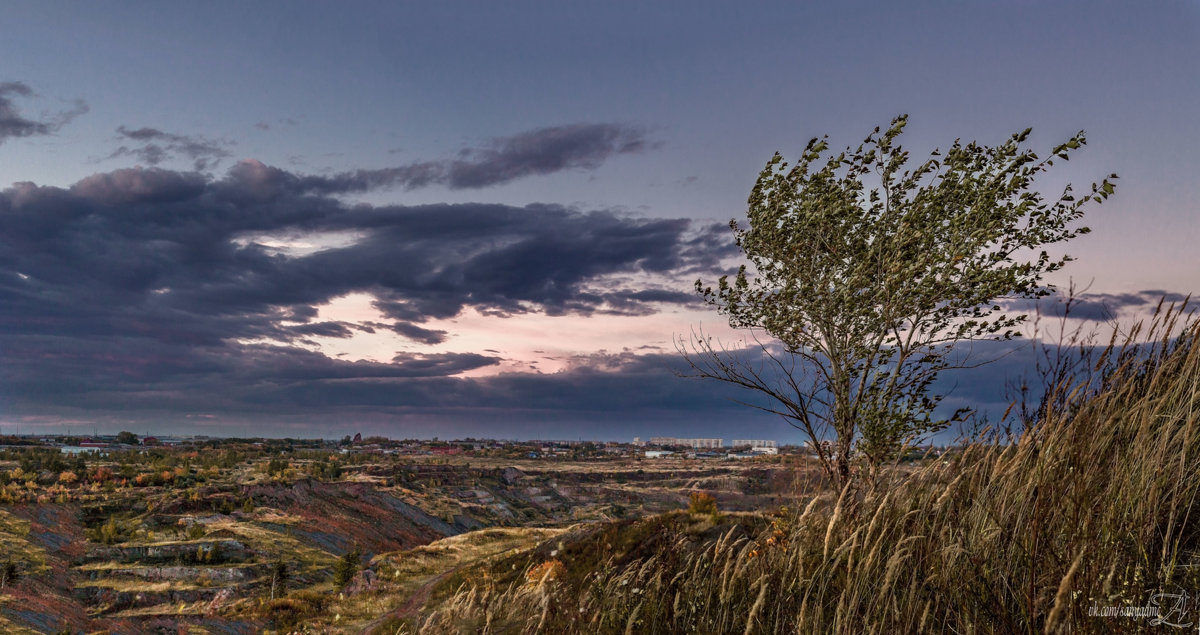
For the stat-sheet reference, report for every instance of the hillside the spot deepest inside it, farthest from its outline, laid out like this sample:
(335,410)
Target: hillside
(163,542)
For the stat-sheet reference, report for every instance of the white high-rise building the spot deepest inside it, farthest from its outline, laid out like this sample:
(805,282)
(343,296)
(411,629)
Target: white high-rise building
(691,443)
(754,443)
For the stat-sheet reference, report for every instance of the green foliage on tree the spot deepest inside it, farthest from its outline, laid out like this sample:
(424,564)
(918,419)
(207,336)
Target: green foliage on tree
(126,437)
(277,466)
(347,567)
(325,470)
(111,532)
(865,272)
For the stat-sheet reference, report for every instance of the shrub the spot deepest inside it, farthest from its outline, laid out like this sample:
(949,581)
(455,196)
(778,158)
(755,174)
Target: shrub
(702,503)
(110,532)
(544,573)
(276,467)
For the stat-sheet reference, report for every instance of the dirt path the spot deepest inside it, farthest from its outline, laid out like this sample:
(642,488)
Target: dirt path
(420,597)
(417,599)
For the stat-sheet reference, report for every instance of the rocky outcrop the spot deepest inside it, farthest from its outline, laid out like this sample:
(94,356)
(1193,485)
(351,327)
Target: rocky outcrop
(182,573)
(209,551)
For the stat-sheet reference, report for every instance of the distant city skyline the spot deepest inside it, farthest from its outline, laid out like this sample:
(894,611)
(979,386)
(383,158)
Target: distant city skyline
(308,219)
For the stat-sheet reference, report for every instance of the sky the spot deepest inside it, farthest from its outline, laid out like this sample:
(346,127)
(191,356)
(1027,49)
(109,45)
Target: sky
(485,219)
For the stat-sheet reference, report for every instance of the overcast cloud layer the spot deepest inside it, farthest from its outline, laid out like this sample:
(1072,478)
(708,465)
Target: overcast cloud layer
(144,296)
(145,290)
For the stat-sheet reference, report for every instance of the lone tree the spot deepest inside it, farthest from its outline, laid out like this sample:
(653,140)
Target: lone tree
(127,437)
(347,567)
(8,573)
(866,274)
(279,576)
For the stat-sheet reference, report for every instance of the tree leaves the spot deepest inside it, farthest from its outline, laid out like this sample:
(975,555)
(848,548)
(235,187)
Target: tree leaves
(867,272)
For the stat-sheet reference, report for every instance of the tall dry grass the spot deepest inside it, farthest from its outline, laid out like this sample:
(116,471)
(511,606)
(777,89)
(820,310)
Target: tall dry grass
(1094,504)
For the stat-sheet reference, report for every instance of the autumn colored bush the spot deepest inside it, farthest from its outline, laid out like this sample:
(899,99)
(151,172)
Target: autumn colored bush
(544,573)
(100,475)
(702,503)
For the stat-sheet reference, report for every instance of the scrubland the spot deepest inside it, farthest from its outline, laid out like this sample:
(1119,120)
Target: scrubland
(253,537)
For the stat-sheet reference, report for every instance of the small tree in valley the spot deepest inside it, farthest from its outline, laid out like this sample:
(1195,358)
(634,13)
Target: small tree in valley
(8,573)
(865,274)
(279,576)
(347,567)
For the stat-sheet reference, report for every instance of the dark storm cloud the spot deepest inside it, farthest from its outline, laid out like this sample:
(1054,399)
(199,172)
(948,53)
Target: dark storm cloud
(416,333)
(142,185)
(148,289)
(324,329)
(597,396)
(14,125)
(615,394)
(153,146)
(501,160)
(1096,307)
(543,151)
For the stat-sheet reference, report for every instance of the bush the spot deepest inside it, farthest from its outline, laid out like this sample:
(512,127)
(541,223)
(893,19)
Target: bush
(702,503)
(276,467)
(111,532)
(545,573)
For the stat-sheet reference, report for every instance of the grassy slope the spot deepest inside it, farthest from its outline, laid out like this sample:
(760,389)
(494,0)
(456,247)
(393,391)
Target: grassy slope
(1097,504)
